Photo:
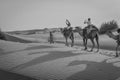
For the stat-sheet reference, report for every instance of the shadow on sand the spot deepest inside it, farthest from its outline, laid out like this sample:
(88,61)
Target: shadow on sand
(5,75)
(53,55)
(95,71)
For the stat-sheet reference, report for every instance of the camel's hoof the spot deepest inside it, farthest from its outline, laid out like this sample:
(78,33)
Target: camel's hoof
(117,55)
(72,45)
(66,45)
(85,48)
(97,51)
(91,50)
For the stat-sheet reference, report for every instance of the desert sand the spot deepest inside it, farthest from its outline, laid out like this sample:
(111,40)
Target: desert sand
(43,61)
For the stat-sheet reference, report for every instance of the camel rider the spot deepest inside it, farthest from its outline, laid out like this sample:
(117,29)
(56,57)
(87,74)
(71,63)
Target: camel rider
(89,24)
(68,24)
(68,28)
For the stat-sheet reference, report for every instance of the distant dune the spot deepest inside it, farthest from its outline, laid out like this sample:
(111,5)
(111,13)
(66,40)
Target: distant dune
(16,39)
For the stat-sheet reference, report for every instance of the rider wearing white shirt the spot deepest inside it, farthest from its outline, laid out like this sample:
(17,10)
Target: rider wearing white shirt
(89,24)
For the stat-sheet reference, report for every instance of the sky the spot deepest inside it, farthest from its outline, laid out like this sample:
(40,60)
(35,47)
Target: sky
(38,14)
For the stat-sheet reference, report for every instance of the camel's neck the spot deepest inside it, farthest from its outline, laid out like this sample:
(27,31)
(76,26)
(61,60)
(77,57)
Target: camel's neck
(80,31)
(62,30)
(111,35)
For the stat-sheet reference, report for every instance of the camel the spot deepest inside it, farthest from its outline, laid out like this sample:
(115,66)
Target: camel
(86,34)
(68,33)
(115,37)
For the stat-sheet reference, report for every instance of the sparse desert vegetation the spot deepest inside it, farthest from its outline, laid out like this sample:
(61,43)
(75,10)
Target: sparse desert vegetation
(108,26)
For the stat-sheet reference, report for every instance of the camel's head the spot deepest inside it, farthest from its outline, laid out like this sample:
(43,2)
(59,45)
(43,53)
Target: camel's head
(61,29)
(109,33)
(78,28)
(85,22)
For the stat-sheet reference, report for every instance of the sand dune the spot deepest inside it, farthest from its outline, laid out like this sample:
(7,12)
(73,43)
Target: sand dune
(56,61)
(14,38)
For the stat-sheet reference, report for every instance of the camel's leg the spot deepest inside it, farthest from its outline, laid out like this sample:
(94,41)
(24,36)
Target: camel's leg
(72,40)
(50,40)
(72,44)
(92,40)
(66,41)
(97,40)
(85,43)
(117,54)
